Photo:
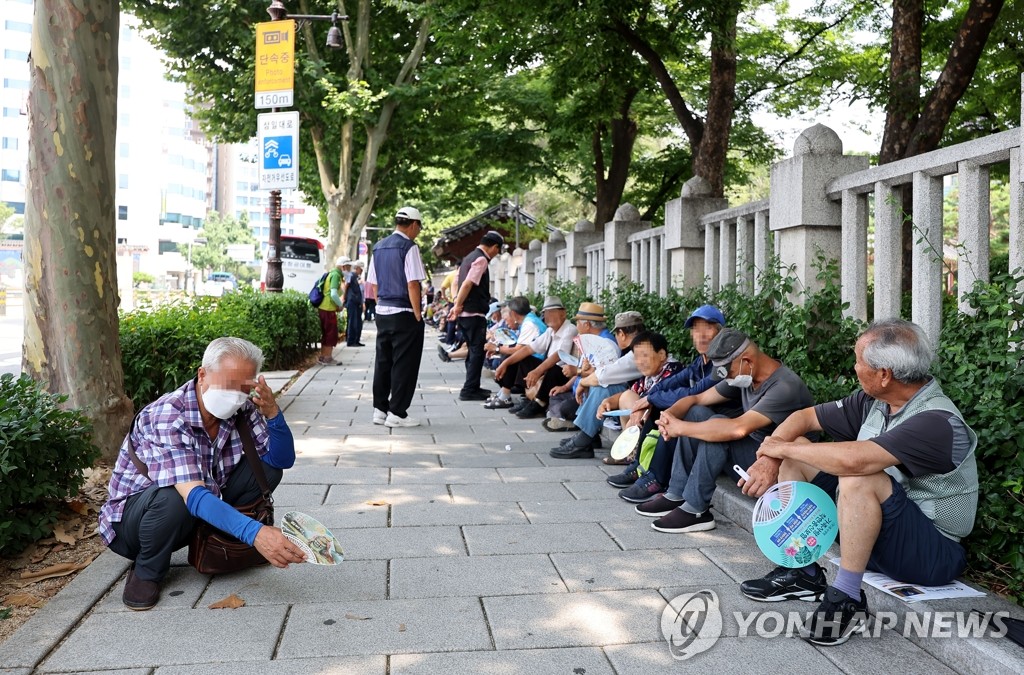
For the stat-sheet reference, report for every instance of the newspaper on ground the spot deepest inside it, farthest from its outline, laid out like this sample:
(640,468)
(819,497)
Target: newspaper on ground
(916,592)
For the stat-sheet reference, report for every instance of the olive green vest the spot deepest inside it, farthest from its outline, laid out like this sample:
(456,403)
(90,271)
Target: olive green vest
(950,500)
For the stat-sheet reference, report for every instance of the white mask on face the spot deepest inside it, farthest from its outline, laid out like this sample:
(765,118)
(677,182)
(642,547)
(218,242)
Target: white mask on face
(742,381)
(223,403)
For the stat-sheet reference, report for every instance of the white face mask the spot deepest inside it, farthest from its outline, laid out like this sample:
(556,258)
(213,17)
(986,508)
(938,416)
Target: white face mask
(742,381)
(223,403)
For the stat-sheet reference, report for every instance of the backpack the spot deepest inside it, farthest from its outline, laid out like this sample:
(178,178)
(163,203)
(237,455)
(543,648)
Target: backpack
(316,295)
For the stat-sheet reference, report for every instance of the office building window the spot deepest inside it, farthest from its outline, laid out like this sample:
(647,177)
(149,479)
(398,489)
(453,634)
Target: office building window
(10,175)
(20,26)
(11,112)
(122,212)
(122,181)
(166,246)
(15,55)
(122,149)
(10,143)
(15,84)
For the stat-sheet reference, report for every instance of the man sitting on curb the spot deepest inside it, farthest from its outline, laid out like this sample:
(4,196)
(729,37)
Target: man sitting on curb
(545,375)
(590,320)
(507,374)
(907,480)
(176,439)
(769,393)
(704,324)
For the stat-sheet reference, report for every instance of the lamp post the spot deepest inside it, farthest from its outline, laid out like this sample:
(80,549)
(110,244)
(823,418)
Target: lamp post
(278,12)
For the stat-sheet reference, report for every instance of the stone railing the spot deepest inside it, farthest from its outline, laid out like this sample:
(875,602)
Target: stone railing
(821,201)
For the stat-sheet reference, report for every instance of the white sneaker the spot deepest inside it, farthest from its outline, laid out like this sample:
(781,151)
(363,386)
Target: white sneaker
(379,416)
(394,420)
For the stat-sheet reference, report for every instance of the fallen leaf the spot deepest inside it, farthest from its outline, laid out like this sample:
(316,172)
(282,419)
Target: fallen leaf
(230,602)
(61,570)
(401,628)
(39,555)
(80,534)
(79,507)
(356,617)
(378,502)
(24,600)
(24,558)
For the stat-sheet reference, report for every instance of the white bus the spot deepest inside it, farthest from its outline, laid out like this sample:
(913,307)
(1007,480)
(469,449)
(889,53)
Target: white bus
(302,263)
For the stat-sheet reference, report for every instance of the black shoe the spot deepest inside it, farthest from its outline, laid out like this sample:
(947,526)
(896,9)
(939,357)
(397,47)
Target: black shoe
(579,446)
(683,521)
(443,354)
(626,478)
(786,584)
(644,489)
(520,404)
(837,618)
(359,344)
(475,396)
(139,594)
(531,409)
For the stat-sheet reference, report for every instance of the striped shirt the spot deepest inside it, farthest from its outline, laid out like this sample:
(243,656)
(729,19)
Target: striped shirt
(169,438)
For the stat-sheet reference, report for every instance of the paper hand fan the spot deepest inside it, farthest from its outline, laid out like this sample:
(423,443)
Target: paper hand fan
(617,413)
(568,359)
(625,443)
(315,540)
(504,337)
(596,349)
(795,523)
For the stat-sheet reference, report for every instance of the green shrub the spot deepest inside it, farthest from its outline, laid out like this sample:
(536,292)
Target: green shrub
(43,449)
(162,347)
(980,367)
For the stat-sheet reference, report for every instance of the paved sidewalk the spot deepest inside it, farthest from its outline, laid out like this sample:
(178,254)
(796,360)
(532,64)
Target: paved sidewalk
(467,549)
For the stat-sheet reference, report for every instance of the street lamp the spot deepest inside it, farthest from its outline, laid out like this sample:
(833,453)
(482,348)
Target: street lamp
(278,12)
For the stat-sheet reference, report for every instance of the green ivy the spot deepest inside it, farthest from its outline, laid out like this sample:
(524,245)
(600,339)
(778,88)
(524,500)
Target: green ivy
(43,449)
(162,347)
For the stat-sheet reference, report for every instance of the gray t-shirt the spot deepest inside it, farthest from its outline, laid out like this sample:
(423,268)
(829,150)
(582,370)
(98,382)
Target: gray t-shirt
(782,394)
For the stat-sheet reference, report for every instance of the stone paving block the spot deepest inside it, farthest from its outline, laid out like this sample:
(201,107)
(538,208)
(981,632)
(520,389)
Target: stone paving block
(579,511)
(433,625)
(473,576)
(408,460)
(597,489)
(739,562)
(731,601)
(729,656)
(588,660)
(444,476)
(401,542)
(575,619)
(343,515)
(552,474)
(338,475)
(174,637)
(874,655)
(638,534)
(359,495)
(181,589)
(267,585)
(510,492)
(622,570)
(357,442)
(349,665)
(407,515)
(298,495)
(558,537)
(508,460)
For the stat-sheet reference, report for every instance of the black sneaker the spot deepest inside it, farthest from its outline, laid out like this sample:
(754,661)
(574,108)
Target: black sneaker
(520,404)
(786,584)
(531,409)
(643,489)
(474,396)
(580,445)
(626,478)
(837,618)
(442,353)
(683,521)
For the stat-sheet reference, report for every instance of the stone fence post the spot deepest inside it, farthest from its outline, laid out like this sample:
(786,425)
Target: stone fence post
(618,258)
(530,256)
(583,234)
(546,274)
(805,221)
(684,235)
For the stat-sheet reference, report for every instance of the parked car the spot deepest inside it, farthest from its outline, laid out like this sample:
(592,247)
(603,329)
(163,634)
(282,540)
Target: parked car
(219,283)
(302,263)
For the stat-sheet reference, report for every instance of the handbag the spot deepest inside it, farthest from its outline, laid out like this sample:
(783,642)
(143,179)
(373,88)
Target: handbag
(212,551)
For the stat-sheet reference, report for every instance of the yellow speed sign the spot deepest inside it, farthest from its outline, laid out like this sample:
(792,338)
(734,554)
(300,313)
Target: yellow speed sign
(275,64)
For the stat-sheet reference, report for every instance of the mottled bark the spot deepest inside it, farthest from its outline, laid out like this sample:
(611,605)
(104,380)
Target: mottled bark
(709,158)
(903,106)
(71,324)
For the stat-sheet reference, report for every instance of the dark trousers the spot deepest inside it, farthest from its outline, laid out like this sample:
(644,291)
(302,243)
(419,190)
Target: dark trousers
(156,522)
(474,331)
(514,374)
(354,329)
(397,365)
(371,306)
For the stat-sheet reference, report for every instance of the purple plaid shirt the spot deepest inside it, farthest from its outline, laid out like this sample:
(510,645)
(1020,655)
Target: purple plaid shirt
(169,438)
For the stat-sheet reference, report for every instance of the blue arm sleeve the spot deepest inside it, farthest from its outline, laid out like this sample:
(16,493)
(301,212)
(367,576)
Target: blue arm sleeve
(203,504)
(667,392)
(282,445)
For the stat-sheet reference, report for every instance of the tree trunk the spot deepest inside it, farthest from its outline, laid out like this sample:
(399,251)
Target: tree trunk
(71,325)
(904,102)
(611,179)
(709,158)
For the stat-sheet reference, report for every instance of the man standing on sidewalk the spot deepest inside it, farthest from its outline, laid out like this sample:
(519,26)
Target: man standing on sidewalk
(397,271)
(471,304)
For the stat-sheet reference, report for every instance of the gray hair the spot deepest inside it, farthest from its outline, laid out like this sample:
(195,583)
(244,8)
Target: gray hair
(900,346)
(598,325)
(225,347)
(519,305)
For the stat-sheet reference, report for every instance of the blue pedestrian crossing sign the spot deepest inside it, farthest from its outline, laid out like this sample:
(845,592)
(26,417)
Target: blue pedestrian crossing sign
(278,137)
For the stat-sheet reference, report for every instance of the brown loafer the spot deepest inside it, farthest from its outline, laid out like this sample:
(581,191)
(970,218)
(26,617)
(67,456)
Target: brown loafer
(139,594)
